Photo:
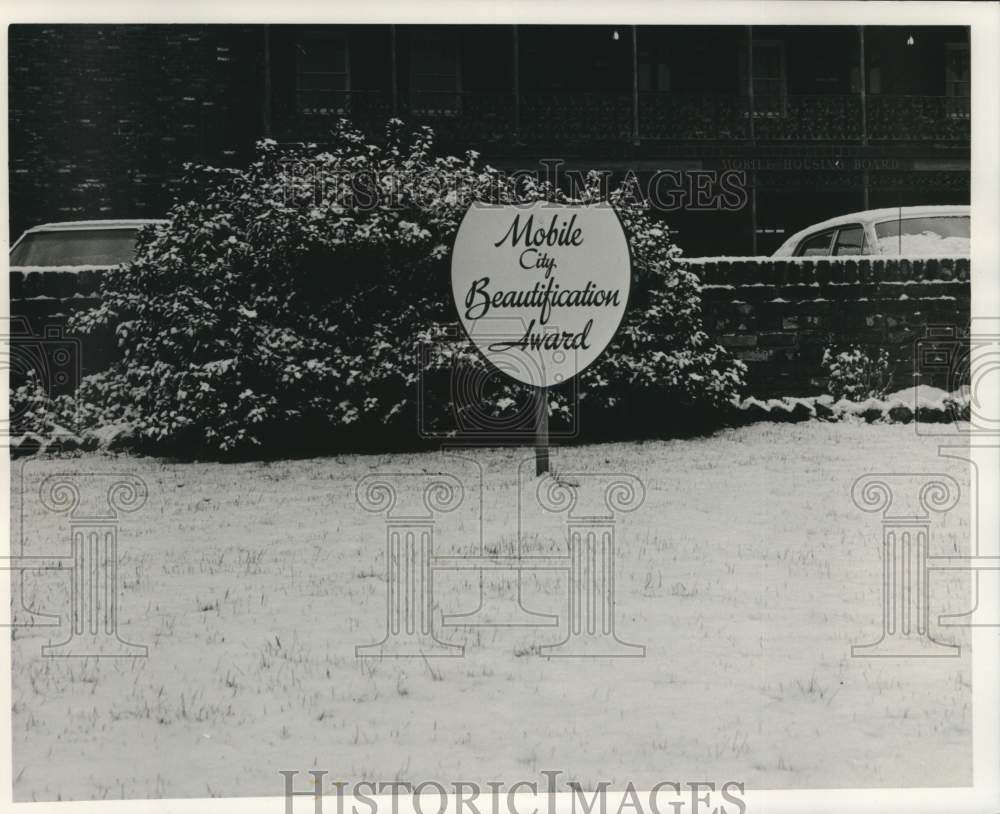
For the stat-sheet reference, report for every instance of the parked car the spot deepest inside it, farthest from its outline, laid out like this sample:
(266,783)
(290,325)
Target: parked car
(901,230)
(77,244)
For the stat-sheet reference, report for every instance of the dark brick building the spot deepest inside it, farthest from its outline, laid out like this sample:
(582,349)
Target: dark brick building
(822,120)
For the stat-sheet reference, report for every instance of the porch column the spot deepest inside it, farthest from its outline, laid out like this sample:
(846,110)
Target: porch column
(635,85)
(516,54)
(750,131)
(863,84)
(395,72)
(265,108)
(864,90)
(750,106)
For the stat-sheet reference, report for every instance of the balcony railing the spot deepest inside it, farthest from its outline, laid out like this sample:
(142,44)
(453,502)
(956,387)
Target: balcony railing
(688,117)
(542,118)
(574,117)
(807,118)
(316,113)
(918,118)
(461,117)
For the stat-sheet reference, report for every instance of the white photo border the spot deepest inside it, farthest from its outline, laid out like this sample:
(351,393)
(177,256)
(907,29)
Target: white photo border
(984,21)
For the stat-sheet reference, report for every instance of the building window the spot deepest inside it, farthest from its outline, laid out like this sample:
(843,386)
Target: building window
(956,79)
(768,77)
(654,69)
(322,73)
(875,78)
(435,73)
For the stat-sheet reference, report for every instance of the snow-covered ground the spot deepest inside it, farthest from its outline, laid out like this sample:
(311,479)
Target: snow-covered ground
(748,573)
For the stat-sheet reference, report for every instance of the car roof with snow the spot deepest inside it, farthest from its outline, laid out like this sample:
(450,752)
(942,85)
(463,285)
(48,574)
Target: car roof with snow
(120,223)
(874,216)
(77,245)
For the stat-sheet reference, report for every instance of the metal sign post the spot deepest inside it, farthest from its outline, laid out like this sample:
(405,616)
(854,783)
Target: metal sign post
(541,432)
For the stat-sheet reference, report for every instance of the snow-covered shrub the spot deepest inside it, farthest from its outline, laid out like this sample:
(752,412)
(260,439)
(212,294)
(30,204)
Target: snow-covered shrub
(282,308)
(857,374)
(33,409)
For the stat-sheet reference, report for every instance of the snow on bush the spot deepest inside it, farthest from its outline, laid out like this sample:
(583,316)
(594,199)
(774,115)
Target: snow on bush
(856,374)
(924,405)
(282,307)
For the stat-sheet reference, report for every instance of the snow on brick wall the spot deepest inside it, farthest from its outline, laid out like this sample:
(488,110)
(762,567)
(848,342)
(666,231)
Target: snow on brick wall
(777,315)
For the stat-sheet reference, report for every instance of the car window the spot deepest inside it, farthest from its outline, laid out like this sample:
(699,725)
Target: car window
(850,240)
(938,234)
(77,247)
(816,244)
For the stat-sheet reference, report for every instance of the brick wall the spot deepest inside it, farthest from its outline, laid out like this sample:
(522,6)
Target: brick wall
(102,118)
(40,305)
(779,315)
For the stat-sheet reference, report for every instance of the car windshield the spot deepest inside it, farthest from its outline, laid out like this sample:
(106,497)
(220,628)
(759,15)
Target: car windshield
(939,234)
(76,247)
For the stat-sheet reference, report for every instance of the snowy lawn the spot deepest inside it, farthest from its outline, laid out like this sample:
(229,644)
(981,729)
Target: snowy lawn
(748,573)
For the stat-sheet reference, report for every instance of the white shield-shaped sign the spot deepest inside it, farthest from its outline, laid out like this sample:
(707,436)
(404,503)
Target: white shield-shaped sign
(541,289)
